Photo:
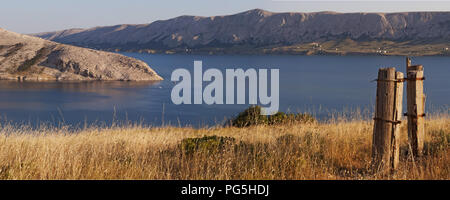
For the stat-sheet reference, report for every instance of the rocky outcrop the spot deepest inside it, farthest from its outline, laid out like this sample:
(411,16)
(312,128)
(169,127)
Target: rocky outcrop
(24,57)
(259,28)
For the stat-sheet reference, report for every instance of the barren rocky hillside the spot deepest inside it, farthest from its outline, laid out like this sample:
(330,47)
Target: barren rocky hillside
(266,30)
(30,58)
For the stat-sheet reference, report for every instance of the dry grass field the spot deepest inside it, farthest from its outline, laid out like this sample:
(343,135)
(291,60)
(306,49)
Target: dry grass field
(337,149)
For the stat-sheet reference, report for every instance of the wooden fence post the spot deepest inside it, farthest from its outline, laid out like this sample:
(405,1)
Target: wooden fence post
(388,112)
(416,108)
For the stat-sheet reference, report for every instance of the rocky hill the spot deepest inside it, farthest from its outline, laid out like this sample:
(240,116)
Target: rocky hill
(263,31)
(24,57)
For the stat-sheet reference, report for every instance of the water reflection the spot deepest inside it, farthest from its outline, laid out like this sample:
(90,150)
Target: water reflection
(69,95)
(85,86)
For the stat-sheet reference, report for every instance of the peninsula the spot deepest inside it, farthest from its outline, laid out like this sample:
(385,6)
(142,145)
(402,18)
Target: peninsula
(27,58)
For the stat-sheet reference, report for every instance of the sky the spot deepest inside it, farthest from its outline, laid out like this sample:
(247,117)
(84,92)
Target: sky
(32,16)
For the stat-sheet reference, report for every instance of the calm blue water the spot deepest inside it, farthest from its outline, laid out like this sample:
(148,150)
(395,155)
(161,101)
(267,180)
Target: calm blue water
(317,84)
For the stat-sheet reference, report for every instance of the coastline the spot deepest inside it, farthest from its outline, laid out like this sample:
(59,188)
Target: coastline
(263,52)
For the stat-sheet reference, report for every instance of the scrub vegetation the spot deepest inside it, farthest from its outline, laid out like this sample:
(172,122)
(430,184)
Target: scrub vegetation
(339,148)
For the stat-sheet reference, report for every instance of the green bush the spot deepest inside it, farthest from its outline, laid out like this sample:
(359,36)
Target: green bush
(249,117)
(252,116)
(206,144)
(282,118)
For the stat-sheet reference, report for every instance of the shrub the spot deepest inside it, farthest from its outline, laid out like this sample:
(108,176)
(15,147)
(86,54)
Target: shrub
(282,118)
(252,116)
(206,144)
(249,117)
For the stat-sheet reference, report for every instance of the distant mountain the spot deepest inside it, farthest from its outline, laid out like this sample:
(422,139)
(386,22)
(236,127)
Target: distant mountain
(259,31)
(30,58)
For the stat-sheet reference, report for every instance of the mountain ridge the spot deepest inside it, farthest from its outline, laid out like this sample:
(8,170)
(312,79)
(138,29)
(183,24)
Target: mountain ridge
(265,32)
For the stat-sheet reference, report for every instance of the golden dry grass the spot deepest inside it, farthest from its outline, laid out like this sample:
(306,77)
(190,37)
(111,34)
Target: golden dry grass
(338,149)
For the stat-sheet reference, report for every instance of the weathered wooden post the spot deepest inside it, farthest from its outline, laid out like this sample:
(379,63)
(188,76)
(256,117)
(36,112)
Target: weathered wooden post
(388,112)
(416,108)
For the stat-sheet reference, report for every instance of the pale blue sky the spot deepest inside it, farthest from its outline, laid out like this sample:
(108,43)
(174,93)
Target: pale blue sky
(31,16)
